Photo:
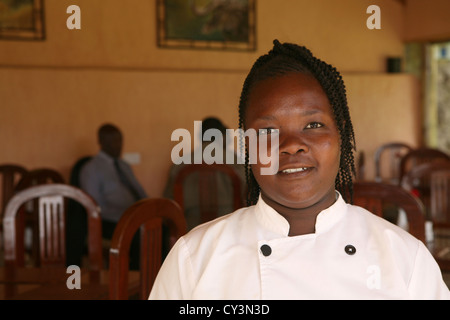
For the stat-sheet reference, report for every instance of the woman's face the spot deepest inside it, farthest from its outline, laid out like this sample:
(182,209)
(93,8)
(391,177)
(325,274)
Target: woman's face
(309,142)
(111,143)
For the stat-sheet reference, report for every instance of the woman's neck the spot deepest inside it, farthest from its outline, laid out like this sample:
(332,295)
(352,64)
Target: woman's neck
(302,220)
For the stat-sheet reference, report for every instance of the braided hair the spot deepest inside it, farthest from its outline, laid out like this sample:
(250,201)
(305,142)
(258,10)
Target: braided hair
(290,58)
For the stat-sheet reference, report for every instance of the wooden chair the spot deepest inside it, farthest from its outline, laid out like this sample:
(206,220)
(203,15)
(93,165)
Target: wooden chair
(208,196)
(418,181)
(440,216)
(374,195)
(387,157)
(430,182)
(52,225)
(418,156)
(148,215)
(39,176)
(10,174)
(440,197)
(32,178)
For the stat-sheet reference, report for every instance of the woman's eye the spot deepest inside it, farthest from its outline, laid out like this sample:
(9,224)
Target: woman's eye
(314,125)
(267,131)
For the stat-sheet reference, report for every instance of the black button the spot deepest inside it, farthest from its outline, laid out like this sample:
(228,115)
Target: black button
(266,250)
(349,249)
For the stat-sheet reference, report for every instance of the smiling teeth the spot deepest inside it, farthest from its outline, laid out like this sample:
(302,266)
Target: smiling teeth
(294,170)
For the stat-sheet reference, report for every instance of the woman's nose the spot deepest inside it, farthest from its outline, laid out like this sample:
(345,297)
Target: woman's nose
(292,144)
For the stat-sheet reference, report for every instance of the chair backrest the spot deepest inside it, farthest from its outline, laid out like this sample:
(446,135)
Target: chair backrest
(208,197)
(39,176)
(52,225)
(387,159)
(32,178)
(148,215)
(373,196)
(440,215)
(419,156)
(10,176)
(440,198)
(75,171)
(418,180)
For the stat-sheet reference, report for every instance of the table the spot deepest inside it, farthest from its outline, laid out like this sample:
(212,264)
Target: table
(58,284)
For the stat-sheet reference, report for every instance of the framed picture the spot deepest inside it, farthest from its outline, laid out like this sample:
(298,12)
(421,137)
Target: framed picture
(207,24)
(22,20)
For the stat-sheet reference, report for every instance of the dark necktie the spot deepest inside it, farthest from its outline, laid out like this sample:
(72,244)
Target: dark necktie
(125,181)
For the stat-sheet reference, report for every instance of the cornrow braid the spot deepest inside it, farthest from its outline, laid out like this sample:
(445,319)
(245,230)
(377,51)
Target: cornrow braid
(288,58)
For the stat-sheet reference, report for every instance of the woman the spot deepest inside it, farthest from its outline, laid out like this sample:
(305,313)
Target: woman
(299,238)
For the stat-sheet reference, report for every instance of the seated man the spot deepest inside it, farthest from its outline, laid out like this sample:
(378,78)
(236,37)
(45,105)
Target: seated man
(111,182)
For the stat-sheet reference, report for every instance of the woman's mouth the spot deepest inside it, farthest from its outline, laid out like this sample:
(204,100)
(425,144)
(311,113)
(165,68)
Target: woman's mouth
(294,170)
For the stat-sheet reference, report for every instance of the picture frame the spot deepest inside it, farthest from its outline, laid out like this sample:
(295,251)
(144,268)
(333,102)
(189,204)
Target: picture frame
(206,24)
(22,20)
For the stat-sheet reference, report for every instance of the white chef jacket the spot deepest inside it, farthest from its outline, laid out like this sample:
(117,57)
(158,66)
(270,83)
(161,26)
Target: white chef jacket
(353,254)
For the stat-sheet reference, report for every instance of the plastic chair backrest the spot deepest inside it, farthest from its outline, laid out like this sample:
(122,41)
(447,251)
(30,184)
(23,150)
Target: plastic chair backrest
(75,171)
